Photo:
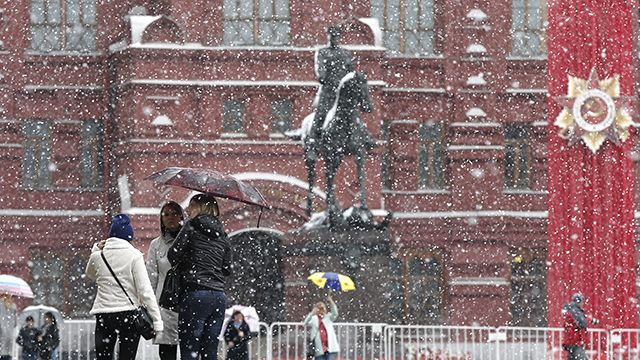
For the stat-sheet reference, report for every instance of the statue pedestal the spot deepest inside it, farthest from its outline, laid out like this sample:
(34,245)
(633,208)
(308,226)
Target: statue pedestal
(362,255)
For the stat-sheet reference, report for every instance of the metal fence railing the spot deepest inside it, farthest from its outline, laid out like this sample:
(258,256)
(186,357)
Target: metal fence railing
(362,341)
(439,342)
(529,343)
(358,341)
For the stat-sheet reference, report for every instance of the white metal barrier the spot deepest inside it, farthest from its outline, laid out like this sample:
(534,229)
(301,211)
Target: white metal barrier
(521,343)
(625,344)
(439,342)
(77,343)
(289,341)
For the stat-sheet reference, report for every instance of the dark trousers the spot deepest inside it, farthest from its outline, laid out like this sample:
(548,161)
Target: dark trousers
(5,357)
(575,352)
(199,323)
(116,325)
(168,352)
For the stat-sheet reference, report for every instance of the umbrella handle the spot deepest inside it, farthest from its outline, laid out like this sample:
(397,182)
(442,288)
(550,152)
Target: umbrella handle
(259,217)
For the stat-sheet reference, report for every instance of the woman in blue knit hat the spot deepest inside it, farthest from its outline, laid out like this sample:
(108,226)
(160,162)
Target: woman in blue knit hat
(112,307)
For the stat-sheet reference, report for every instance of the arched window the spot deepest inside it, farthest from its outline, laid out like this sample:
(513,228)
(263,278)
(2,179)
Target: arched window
(528,24)
(408,25)
(256,22)
(63,25)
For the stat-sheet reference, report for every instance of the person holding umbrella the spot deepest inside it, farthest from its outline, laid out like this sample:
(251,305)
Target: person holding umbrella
(8,322)
(171,218)
(322,333)
(203,255)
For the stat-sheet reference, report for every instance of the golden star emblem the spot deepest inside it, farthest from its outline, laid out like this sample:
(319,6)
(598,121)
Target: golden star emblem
(594,111)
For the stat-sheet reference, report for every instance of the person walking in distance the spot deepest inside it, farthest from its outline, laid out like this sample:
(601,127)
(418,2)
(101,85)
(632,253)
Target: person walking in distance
(171,219)
(575,328)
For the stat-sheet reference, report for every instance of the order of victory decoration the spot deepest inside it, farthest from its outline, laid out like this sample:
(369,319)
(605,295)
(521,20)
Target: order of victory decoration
(594,111)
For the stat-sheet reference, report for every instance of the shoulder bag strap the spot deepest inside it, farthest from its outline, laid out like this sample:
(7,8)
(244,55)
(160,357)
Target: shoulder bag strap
(115,277)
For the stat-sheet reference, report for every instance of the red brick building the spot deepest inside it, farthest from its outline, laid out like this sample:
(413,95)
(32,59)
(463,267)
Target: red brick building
(97,95)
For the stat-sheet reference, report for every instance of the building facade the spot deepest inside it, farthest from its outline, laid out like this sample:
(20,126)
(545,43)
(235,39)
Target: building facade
(96,95)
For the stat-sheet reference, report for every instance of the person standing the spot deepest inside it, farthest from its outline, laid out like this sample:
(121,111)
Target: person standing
(237,336)
(203,256)
(171,218)
(322,333)
(49,339)
(575,328)
(112,308)
(8,322)
(28,339)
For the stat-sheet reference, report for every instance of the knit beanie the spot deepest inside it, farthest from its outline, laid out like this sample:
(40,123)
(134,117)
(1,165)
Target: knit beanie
(121,227)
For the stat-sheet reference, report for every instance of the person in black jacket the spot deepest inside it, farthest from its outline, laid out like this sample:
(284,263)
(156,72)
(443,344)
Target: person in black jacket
(203,255)
(28,339)
(237,336)
(50,338)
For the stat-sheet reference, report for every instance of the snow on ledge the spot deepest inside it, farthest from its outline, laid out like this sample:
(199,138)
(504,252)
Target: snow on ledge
(477,80)
(476,49)
(475,112)
(477,15)
(162,120)
(138,25)
(51,212)
(479,281)
(374,25)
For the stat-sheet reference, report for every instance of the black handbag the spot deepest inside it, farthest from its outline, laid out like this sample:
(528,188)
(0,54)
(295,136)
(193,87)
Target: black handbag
(171,290)
(141,319)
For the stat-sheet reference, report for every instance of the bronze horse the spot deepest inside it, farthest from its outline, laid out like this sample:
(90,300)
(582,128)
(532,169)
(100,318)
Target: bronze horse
(343,134)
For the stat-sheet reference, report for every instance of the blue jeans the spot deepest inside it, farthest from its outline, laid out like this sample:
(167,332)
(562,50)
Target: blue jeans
(29,355)
(200,318)
(327,356)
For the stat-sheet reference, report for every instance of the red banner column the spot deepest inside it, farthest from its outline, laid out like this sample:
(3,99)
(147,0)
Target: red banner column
(591,201)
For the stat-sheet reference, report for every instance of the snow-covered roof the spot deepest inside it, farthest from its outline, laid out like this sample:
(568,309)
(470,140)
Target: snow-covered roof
(162,120)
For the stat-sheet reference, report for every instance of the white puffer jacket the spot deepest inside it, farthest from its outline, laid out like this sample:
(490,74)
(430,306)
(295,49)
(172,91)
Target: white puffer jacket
(128,264)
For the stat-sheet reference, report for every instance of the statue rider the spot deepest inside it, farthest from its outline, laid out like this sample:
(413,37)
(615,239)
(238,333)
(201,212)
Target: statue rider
(332,63)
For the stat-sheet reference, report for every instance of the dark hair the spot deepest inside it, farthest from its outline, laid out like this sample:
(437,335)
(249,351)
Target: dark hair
(208,202)
(173,206)
(29,318)
(236,313)
(49,315)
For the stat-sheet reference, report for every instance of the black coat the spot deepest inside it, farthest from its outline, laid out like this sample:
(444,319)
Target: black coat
(240,349)
(50,341)
(28,339)
(203,251)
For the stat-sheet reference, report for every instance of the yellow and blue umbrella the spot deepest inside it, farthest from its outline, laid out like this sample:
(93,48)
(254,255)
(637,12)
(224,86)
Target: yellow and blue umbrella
(332,281)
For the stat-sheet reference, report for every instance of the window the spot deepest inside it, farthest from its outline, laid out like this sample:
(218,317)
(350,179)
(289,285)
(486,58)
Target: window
(408,25)
(528,22)
(516,157)
(417,290)
(58,281)
(63,25)
(91,162)
(233,117)
(256,22)
(528,289)
(281,114)
(430,157)
(37,155)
